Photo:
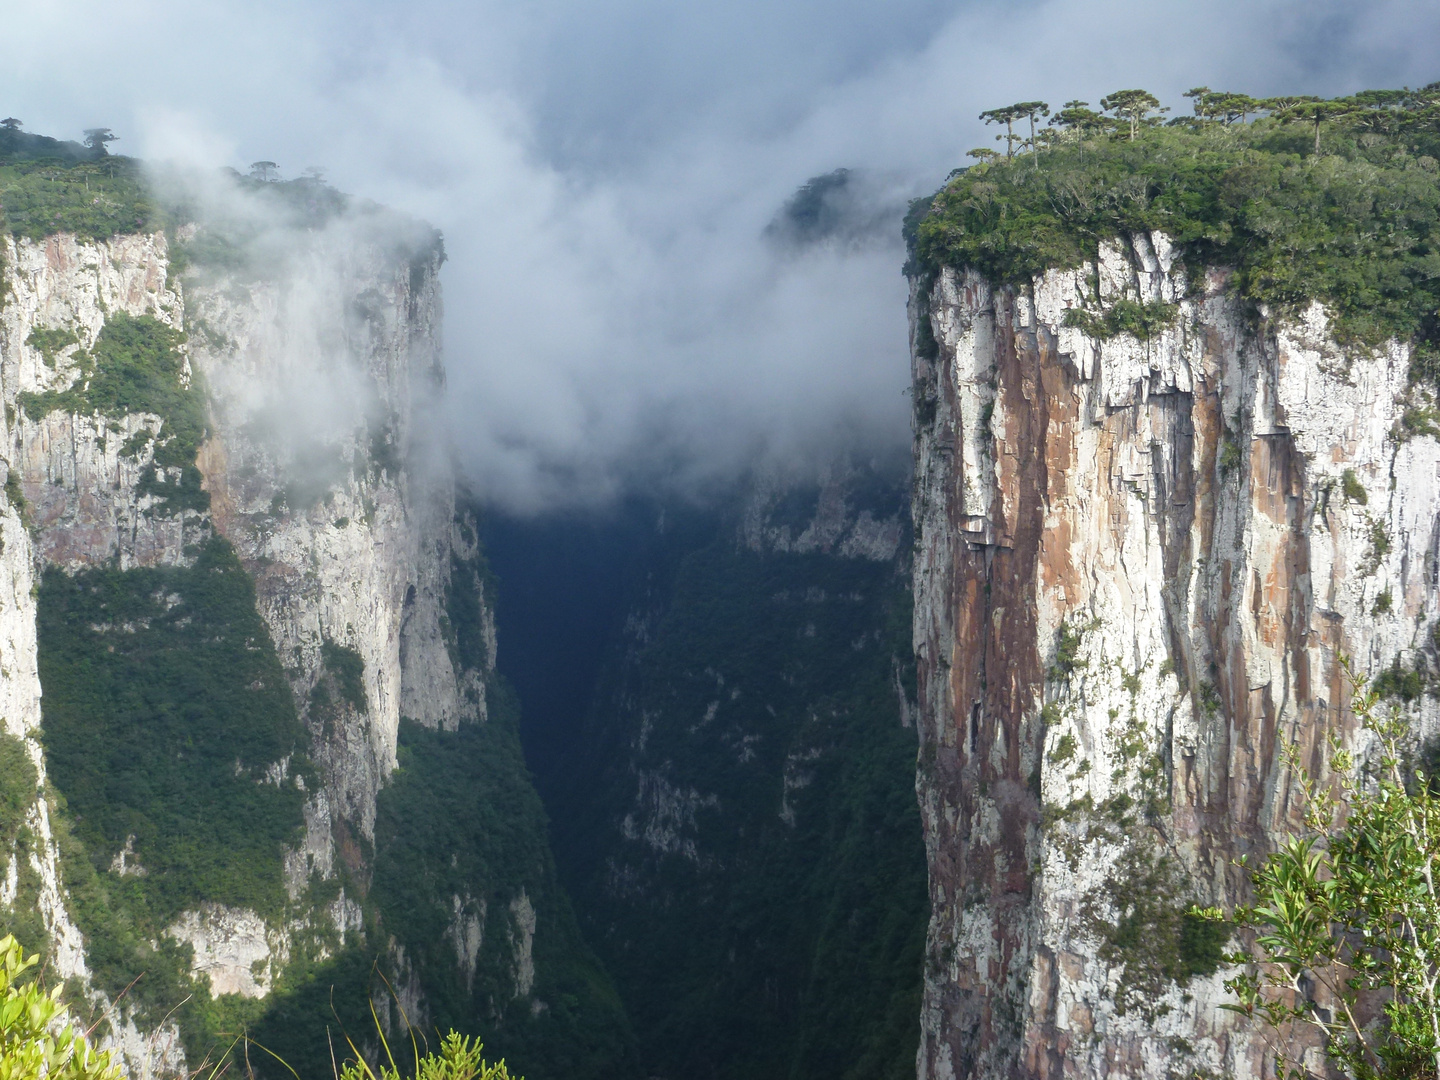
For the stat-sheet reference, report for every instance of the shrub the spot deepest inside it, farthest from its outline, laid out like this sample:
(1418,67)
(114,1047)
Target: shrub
(48,342)
(348,668)
(1141,320)
(1349,908)
(1353,489)
(1379,538)
(459,1058)
(37,1039)
(1396,682)
(18,788)
(1067,650)
(1064,749)
(1230,453)
(13,491)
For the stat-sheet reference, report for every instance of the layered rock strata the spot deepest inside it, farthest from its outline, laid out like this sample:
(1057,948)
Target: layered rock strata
(1138,566)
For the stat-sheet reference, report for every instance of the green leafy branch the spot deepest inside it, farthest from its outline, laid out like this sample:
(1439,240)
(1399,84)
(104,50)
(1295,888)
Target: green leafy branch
(1346,916)
(37,1038)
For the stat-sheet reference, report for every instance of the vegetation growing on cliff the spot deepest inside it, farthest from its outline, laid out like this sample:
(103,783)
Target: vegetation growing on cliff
(171,731)
(1346,917)
(19,793)
(176,759)
(18,780)
(1344,209)
(742,838)
(460,835)
(459,868)
(1140,320)
(136,366)
(459,841)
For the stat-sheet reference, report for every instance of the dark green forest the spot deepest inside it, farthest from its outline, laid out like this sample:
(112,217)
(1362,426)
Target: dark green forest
(778,932)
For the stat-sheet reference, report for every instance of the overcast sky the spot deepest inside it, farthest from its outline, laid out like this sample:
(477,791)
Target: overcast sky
(603,173)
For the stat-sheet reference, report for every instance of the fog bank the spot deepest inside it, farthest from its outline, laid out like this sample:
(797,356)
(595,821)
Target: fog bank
(620,302)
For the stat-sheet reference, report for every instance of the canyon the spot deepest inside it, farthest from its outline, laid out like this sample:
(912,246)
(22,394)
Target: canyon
(310,537)
(869,767)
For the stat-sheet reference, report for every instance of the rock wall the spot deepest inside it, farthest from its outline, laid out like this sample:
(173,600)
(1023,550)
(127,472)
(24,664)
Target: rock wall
(323,480)
(320,473)
(1138,563)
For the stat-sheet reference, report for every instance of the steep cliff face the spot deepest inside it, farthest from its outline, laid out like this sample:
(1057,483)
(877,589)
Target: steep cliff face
(230,492)
(319,475)
(1138,564)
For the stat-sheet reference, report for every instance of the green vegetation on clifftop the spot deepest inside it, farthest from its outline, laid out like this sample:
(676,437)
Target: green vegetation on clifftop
(1356,225)
(95,199)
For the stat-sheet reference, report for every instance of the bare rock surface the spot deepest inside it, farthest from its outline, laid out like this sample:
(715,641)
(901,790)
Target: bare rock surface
(1138,563)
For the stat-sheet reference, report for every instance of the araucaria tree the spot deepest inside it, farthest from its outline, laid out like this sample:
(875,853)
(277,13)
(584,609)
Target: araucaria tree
(1007,116)
(1081,121)
(1032,109)
(1346,916)
(96,138)
(1315,112)
(1011,113)
(1133,106)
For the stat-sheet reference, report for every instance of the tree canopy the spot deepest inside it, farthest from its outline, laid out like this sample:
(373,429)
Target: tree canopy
(1336,200)
(97,137)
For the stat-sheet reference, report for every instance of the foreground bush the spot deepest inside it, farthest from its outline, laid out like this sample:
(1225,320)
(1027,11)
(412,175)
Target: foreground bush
(37,1038)
(459,1059)
(1347,916)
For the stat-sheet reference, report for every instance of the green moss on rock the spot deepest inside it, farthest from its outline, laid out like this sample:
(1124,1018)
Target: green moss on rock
(136,366)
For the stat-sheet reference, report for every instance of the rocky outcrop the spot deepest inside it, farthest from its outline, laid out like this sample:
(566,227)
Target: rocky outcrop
(834,524)
(1138,564)
(321,475)
(232,949)
(20,719)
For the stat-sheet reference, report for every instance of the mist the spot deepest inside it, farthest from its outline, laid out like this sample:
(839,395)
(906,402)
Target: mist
(627,301)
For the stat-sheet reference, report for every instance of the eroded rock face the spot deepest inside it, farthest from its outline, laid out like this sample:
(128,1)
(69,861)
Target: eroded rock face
(232,949)
(320,473)
(323,480)
(1138,564)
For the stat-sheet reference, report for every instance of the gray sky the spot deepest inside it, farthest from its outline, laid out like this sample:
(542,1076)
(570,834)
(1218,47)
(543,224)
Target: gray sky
(603,174)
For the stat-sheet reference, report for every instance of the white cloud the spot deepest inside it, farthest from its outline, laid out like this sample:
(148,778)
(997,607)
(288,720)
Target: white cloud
(602,174)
